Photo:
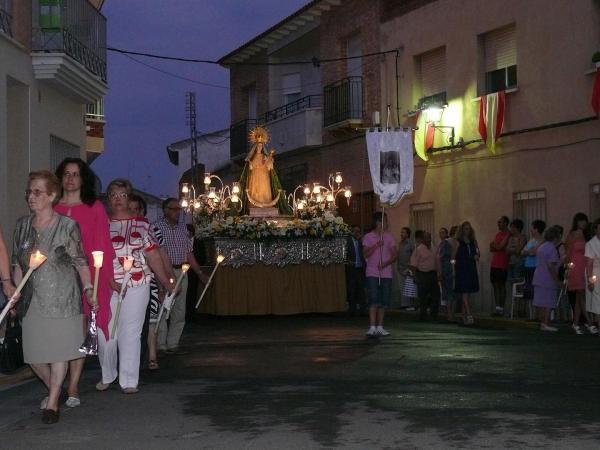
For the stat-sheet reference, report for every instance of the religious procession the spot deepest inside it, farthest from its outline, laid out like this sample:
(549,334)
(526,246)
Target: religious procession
(393,242)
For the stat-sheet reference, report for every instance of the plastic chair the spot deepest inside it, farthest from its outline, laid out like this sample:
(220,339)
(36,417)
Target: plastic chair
(518,293)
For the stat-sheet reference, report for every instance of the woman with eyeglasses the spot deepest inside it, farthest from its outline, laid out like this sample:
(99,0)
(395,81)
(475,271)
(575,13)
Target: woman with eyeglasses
(51,302)
(79,202)
(119,355)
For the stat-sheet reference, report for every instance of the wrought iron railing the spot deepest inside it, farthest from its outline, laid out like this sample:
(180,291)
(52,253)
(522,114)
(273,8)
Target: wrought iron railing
(342,101)
(95,111)
(73,27)
(310,101)
(238,134)
(6,17)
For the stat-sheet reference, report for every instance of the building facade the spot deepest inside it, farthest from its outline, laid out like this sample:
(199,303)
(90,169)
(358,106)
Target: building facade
(52,65)
(392,59)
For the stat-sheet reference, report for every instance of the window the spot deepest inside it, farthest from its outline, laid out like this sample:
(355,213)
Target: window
(595,201)
(251,96)
(60,149)
(354,53)
(6,16)
(529,206)
(293,176)
(421,217)
(500,59)
(290,85)
(432,72)
(50,14)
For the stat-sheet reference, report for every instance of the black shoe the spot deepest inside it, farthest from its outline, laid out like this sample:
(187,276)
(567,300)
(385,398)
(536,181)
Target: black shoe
(49,416)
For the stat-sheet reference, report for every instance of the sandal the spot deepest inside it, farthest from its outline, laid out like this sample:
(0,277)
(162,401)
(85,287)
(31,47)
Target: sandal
(153,365)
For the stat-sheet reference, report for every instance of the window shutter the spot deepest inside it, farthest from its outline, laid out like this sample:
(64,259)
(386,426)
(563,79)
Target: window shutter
(421,217)
(433,72)
(290,83)
(500,48)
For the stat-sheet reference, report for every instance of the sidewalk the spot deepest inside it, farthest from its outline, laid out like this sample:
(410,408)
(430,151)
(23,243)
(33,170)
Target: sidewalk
(18,376)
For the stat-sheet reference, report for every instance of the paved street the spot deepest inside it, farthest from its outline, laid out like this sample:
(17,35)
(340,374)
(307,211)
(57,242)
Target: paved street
(315,382)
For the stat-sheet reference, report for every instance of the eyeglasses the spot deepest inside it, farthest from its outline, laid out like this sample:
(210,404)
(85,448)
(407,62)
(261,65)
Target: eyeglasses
(118,195)
(35,192)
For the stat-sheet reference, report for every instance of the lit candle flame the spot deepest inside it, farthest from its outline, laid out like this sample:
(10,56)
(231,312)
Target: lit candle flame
(128,263)
(185,268)
(220,259)
(98,258)
(36,259)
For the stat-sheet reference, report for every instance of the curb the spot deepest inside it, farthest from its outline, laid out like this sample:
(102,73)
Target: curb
(18,376)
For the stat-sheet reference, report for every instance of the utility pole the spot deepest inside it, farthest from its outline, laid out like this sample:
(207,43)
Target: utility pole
(190,109)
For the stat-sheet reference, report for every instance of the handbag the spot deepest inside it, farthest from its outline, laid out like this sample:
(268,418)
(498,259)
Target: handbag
(11,346)
(409,289)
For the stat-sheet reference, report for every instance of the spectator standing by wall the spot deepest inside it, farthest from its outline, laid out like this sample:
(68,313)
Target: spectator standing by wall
(499,264)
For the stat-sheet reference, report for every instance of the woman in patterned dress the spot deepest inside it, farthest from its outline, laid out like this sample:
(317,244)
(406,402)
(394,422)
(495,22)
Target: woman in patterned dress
(131,237)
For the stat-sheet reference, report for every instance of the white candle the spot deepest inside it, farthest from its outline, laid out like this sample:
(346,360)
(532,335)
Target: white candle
(220,259)
(127,265)
(98,260)
(35,260)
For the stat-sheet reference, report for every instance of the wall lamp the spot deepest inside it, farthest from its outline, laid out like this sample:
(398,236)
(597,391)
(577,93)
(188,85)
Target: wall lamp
(433,114)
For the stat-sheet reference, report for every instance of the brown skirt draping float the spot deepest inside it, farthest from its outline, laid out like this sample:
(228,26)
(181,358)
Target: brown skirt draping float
(260,290)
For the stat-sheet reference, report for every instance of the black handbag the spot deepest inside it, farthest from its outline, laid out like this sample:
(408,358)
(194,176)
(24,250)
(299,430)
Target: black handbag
(11,347)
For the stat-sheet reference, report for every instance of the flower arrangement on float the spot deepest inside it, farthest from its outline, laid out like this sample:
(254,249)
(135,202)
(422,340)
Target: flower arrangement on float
(253,228)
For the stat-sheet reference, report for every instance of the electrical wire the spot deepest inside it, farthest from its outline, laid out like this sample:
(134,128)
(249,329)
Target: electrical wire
(314,61)
(174,75)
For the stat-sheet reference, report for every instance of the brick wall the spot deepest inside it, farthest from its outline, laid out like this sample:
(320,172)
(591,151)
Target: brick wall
(241,77)
(21,22)
(337,25)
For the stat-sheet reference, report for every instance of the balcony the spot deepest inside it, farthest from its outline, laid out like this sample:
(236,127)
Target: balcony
(343,103)
(69,47)
(95,111)
(238,134)
(5,17)
(297,124)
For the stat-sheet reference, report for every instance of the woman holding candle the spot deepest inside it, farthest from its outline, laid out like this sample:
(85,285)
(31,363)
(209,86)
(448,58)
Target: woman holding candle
(52,323)
(545,278)
(592,257)
(79,202)
(131,237)
(576,282)
(7,287)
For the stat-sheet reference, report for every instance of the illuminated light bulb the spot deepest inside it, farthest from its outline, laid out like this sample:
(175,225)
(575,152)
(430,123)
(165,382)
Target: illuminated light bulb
(236,188)
(216,199)
(307,189)
(338,177)
(197,204)
(184,203)
(207,178)
(330,198)
(235,198)
(319,198)
(316,188)
(301,206)
(347,193)
(185,189)
(212,194)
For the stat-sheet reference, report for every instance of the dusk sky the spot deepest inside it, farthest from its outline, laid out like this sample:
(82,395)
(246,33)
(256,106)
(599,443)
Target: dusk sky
(145,109)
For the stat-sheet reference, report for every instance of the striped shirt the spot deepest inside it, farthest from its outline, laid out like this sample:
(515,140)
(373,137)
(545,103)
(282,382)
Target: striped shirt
(176,240)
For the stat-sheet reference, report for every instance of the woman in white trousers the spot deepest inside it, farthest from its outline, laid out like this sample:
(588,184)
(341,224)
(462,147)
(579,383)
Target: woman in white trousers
(137,256)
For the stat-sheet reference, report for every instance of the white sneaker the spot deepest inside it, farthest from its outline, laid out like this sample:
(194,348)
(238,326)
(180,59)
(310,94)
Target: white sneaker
(72,402)
(44,403)
(591,329)
(545,327)
(577,329)
(372,332)
(411,308)
(382,332)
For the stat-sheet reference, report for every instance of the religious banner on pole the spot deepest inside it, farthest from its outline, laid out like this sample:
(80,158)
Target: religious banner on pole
(391,164)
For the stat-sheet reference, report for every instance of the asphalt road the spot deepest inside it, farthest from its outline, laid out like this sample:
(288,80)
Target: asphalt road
(309,382)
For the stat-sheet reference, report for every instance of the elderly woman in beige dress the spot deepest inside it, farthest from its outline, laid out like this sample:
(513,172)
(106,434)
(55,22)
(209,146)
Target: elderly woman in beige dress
(592,258)
(51,301)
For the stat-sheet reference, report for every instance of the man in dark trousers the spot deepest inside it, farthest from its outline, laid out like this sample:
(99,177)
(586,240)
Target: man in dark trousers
(355,273)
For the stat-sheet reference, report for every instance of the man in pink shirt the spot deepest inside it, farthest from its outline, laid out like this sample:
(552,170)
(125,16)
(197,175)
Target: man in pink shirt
(499,264)
(379,249)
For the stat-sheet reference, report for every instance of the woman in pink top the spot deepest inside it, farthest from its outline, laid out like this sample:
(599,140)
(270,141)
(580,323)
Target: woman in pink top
(379,249)
(78,201)
(575,247)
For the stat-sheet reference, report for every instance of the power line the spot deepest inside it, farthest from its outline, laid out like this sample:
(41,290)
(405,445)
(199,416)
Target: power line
(165,72)
(314,61)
